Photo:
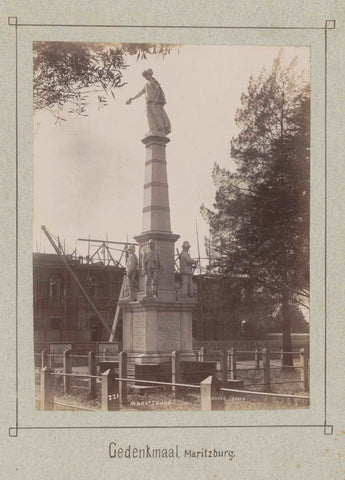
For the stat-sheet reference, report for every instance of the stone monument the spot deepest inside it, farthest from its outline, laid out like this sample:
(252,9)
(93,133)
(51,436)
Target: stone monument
(159,321)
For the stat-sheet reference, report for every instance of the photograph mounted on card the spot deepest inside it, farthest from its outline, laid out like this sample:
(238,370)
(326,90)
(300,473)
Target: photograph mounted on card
(171,226)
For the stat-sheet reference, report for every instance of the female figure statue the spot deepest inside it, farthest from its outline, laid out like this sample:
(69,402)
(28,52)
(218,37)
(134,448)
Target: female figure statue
(155,101)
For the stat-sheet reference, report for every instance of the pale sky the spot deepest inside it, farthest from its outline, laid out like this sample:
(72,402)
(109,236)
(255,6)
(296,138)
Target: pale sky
(89,172)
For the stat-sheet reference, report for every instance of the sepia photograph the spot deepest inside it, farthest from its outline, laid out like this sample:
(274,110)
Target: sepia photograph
(171,225)
(172,239)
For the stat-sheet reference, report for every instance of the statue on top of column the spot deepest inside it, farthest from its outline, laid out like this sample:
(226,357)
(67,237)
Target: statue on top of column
(155,101)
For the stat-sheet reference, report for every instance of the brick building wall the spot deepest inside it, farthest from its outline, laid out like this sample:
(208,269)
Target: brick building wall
(61,311)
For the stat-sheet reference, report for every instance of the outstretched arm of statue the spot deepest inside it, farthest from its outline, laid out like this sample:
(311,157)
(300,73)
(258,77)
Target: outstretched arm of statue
(129,101)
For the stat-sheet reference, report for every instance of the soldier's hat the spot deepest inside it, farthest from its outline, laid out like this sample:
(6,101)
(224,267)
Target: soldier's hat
(151,241)
(185,244)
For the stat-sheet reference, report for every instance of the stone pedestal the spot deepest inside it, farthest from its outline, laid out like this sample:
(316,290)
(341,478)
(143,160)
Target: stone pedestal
(156,326)
(154,329)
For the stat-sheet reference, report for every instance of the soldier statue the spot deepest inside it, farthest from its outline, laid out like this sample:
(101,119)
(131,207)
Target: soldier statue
(152,268)
(131,270)
(187,266)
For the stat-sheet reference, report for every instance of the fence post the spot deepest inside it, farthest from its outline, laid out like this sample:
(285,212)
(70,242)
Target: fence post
(123,374)
(304,363)
(47,392)
(281,356)
(228,362)
(224,368)
(202,354)
(67,368)
(210,396)
(92,371)
(51,362)
(233,372)
(175,372)
(266,366)
(110,392)
(44,359)
(257,359)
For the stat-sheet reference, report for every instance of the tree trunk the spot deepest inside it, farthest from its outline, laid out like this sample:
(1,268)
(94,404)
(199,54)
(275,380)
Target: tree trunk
(286,331)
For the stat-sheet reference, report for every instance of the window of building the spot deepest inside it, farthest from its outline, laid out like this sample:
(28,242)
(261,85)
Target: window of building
(93,286)
(83,324)
(55,287)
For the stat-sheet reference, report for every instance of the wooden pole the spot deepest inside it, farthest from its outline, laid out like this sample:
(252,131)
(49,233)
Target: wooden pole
(44,359)
(257,359)
(266,366)
(67,368)
(224,368)
(92,372)
(106,241)
(175,373)
(304,363)
(110,392)
(233,372)
(197,239)
(123,374)
(117,312)
(47,392)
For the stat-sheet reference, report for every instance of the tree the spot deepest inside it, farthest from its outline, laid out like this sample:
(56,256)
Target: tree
(66,74)
(260,221)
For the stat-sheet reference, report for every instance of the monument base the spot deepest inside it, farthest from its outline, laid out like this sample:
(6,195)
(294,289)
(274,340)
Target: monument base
(152,329)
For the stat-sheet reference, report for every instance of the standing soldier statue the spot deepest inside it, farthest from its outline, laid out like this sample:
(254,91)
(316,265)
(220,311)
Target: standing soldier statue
(187,265)
(131,270)
(152,268)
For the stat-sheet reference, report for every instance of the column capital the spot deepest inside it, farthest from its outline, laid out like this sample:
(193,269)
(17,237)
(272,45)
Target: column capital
(155,138)
(156,235)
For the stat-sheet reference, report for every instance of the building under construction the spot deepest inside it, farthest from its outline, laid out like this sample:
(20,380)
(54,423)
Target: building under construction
(62,312)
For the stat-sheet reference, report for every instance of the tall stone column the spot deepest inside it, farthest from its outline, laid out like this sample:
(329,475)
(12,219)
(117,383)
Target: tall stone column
(156,216)
(156,211)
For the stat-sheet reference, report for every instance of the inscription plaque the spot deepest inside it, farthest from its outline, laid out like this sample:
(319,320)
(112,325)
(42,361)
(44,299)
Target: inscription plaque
(169,331)
(139,332)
